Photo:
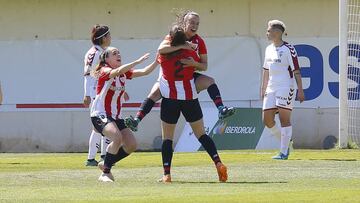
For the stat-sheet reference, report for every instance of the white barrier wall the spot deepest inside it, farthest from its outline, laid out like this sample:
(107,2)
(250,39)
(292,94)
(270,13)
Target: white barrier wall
(43,44)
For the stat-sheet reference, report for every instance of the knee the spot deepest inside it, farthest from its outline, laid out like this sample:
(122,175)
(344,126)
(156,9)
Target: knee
(155,96)
(210,81)
(117,141)
(285,123)
(131,147)
(268,122)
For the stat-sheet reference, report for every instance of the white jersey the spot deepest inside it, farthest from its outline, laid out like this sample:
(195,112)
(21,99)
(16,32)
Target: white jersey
(91,60)
(281,63)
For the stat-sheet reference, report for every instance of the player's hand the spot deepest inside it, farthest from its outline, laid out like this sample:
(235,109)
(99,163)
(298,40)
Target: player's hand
(301,95)
(143,58)
(126,96)
(87,101)
(188,62)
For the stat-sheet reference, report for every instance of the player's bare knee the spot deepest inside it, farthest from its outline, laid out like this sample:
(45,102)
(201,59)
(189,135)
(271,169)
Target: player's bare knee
(269,124)
(117,140)
(285,122)
(131,147)
(210,80)
(155,96)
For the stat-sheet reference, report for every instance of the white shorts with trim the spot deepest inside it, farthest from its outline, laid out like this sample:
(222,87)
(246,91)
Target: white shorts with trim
(280,98)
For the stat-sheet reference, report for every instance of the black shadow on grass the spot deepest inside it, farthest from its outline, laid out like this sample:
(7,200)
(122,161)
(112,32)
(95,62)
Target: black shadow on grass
(325,159)
(15,163)
(333,159)
(242,182)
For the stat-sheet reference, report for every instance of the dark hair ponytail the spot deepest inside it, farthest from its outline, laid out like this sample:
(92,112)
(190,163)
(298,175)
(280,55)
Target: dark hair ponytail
(177,35)
(98,33)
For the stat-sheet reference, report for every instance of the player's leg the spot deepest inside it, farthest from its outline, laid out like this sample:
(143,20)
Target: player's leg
(145,107)
(167,151)
(284,102)
(193,114)
(94,144)
(104,144)
(94,140)
(269,111)
(286,130)
(203,82)
(120,148)
(170,113)
(109,128)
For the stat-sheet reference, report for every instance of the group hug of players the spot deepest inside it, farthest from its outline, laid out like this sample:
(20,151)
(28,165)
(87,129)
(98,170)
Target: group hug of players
(181,55)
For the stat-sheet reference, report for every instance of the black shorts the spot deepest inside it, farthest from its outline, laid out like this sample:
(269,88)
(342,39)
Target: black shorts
(171,108)
(196,75)
(100,122)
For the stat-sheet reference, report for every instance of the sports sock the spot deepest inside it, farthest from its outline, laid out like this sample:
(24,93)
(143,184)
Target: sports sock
(167,154)
(286,133)
(210,147)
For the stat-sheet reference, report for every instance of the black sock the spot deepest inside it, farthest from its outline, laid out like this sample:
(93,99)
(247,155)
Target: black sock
(214,94)
(109,162)
(145,108)
(121,154)
(167,154)
(210,147)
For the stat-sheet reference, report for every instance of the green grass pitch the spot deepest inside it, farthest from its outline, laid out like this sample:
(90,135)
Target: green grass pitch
(308,176)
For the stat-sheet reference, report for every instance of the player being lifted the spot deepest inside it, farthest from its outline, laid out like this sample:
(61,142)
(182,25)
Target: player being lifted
(106,108)
(100,37)
(189,21)
(280,68)
(179,93)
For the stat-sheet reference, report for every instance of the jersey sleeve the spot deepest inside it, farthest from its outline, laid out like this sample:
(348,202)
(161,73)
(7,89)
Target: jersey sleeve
(160,59)
(129,74)
(87,85)
(91,61)
(105,74)
(194,56)
(266,65)
(293,58)
(202,46)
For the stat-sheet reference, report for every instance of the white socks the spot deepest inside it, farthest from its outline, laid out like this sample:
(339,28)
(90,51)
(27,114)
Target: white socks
(275,131)
(104,144)
(286,133)
(94,144)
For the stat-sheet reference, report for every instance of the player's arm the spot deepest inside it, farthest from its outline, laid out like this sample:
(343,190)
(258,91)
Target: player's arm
(125,68)
(87,87)
(200,65)
(265,80)
(294,64)
(145,71)
(300,95)
(165,47)
(190,62)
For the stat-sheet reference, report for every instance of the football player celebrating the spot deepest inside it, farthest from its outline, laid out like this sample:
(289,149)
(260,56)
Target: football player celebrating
(106,108)
(281,68)
(100,38)
(189,21)
(179,93)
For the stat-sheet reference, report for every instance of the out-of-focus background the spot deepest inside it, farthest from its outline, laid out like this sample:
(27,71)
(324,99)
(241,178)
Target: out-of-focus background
(43,44)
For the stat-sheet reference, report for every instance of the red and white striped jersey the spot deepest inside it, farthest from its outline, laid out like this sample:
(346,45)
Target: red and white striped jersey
(281,63)
(108,94)
(197,40)
(91,60)
(177,81)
